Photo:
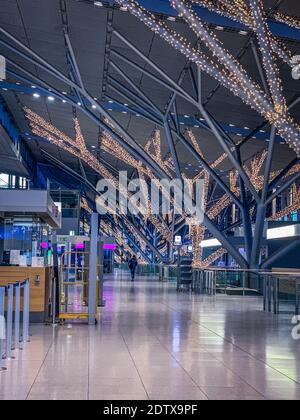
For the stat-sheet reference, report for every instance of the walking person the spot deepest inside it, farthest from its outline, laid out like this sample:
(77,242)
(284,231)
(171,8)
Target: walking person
(132,264)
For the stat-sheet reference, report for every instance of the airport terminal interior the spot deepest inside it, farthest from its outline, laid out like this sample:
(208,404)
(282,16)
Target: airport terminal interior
(150,200)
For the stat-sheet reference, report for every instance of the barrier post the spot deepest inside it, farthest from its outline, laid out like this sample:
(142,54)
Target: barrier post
(26,312)
(17,316)
(9,322)
(2,325)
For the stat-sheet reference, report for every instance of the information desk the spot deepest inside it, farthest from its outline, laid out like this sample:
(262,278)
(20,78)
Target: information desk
(40,285)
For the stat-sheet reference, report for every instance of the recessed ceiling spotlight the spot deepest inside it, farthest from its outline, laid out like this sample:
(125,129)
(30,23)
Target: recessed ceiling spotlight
(110,109)
(98,3)
(125,104)
(4,89)
(171,18)
(33,87)
(196,126)
(64,93)
(51,98)
(220,28)
(93,147)
(124,112)
(64,101)
(243,32)
(79,103)
(246,128)
(17,83)
(231,125)
(186,116)
(94,106)
(110,101)
(36,95)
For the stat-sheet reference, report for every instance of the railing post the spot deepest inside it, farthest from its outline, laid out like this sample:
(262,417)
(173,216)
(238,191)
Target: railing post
(26,312)
(264,291)
(2,325)
(17,315)
(9,322)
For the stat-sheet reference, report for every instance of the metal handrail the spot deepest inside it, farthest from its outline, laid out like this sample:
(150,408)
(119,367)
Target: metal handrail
(11,327)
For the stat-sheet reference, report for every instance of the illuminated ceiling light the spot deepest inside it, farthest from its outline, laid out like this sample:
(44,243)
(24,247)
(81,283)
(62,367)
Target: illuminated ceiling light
(124,112)
(243,32)
(93,147)
(231,125)
(33,87)
(64,101)
(94,106)
(98,3)
(64,93)
(110,102)
(171,18)
(4,89)
(79,103)
(36,95)
(219,28)
(51,98)
(186,116)
(246,128)
(124,8)
(197,126)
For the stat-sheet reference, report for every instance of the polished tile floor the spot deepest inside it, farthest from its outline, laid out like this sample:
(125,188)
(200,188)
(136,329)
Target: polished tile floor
(153,343)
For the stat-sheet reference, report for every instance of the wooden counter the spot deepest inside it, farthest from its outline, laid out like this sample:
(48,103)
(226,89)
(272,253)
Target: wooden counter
(39,291)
